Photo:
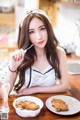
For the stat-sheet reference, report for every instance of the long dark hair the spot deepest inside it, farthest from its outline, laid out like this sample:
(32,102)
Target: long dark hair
(24,42)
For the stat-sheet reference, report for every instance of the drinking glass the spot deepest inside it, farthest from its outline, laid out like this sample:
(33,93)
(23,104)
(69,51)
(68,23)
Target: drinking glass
(4,91)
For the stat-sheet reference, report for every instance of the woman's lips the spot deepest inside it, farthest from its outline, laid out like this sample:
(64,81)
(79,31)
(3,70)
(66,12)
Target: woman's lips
(41,42)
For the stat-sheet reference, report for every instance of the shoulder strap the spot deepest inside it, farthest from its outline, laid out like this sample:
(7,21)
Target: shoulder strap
(30,77)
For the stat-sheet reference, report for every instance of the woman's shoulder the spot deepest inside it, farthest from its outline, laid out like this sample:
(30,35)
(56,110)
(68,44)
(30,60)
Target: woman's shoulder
(60,51)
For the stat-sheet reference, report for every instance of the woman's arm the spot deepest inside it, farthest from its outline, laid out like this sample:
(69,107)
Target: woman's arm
(11,78)
(15,60)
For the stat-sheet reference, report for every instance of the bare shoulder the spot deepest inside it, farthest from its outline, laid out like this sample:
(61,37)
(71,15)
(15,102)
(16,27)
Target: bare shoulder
(61,51)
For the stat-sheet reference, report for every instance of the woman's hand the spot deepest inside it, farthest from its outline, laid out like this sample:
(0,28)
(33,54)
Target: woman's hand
(25,91)
(16,59)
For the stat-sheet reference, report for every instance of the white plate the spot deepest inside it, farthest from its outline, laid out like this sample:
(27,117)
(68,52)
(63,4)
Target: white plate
(73,105)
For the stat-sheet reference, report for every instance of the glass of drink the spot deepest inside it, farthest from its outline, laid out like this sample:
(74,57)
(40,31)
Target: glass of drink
(4,91)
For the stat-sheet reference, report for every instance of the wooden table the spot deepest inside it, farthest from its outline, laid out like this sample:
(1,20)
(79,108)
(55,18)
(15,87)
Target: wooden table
(75,85)
(45,114)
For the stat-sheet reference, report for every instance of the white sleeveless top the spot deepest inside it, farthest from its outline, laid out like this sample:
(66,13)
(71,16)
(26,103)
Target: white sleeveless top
(34,77)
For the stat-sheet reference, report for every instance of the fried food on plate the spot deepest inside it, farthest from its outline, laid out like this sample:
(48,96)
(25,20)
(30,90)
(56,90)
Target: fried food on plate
(59,105)
(28,105)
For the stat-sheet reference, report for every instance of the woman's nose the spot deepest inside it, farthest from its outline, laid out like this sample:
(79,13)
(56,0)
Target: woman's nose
(38,35)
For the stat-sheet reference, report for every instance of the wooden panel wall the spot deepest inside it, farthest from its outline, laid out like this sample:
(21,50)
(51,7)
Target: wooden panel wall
(7,19)
(51,9)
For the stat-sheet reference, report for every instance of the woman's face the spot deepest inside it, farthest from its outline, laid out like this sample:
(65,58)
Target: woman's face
(38,33)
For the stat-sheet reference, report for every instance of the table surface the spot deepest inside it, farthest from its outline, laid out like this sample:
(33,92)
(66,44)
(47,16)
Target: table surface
(45,114)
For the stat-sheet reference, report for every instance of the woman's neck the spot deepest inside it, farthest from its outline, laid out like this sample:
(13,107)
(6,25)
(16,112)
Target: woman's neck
(40,52)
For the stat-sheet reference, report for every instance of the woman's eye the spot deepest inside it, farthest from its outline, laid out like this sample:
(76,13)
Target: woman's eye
(43,28)
(31,32)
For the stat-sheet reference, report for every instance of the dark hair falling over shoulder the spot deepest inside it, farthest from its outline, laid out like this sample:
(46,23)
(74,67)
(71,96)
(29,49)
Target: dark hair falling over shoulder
(24,42)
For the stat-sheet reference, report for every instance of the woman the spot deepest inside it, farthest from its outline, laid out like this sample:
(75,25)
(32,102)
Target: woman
(42,68)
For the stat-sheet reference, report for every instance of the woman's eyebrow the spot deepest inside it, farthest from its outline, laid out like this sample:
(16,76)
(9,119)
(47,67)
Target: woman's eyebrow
(31,29)
(39,27)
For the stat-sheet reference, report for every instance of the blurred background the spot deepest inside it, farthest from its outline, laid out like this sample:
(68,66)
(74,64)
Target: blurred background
(64,16)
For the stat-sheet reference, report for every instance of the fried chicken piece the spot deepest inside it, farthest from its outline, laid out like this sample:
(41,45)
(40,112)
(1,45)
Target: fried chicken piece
(27,105)
(20,104)
(57,101)
(31,106)
(59,105)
